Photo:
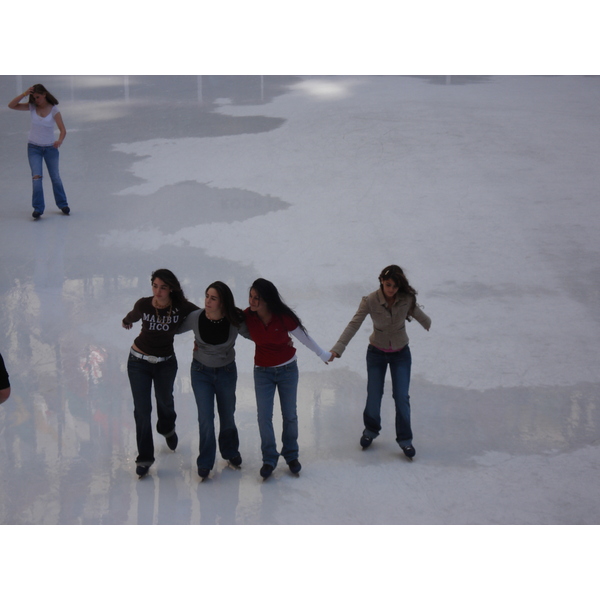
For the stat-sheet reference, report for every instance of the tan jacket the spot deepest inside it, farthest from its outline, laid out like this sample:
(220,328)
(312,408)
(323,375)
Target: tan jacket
(389,326)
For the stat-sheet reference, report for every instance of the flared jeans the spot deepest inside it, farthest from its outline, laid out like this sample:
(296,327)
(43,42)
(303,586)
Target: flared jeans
(37,155)
(142,375)
(400,365)
(284,380)
(210,383)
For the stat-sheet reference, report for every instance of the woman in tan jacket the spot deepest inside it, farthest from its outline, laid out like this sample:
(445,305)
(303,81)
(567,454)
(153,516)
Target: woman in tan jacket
(390,307)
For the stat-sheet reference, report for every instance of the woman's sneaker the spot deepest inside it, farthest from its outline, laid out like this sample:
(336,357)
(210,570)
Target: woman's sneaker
(203,473)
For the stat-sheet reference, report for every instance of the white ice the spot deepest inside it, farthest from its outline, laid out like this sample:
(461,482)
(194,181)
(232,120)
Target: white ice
(484,189)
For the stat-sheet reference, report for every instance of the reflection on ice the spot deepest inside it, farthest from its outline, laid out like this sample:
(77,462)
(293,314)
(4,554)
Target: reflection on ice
(325,89)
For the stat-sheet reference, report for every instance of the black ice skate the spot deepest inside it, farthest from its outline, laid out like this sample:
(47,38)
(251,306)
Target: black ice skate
(409,451)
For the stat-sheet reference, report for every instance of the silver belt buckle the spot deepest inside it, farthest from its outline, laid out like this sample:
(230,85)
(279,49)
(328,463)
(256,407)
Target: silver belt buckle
(152,359)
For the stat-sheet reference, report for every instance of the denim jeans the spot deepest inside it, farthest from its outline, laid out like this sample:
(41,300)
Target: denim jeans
(36,155)
(209,383)
(285,380)
(142,375)
(377,363)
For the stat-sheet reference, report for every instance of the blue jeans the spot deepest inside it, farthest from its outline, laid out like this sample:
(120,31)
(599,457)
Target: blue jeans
(285,380)
(209,383)
(36,155)
(142,375)
(377,363)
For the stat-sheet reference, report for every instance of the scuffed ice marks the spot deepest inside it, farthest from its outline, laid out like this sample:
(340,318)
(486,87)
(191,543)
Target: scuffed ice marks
(185,204)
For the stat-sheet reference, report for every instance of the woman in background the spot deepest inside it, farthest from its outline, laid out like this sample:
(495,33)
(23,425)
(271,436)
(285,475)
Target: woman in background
(389,307)
(269,322)
(152,361)
(214,374)
(41,145)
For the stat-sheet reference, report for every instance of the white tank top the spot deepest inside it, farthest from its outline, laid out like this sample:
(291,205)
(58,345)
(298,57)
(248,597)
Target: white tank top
(41,132)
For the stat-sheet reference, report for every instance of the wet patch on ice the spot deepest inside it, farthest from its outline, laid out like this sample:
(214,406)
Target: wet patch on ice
(185,204)
(456,425)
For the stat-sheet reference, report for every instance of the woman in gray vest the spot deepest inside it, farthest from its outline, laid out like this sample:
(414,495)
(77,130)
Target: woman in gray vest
(214,374)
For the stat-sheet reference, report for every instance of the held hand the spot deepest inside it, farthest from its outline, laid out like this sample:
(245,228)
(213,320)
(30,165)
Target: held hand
(333,355)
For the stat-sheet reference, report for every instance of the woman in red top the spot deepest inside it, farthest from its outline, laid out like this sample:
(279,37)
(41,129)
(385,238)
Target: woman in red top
(270,323)
(152,361)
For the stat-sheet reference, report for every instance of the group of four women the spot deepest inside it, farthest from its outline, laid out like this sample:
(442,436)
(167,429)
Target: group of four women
(268,322)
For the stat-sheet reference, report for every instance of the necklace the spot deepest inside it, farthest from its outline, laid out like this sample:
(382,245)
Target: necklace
(157,306)
(215,321)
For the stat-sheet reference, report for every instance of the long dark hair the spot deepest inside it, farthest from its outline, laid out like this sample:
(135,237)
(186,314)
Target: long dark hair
(232,313)
(38,88)
(276,306)
(396,274)
(177,295)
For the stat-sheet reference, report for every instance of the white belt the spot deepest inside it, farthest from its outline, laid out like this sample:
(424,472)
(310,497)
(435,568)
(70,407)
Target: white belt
(150,359)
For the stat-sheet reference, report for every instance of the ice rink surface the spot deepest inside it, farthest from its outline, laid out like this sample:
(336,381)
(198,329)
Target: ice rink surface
(485,189)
